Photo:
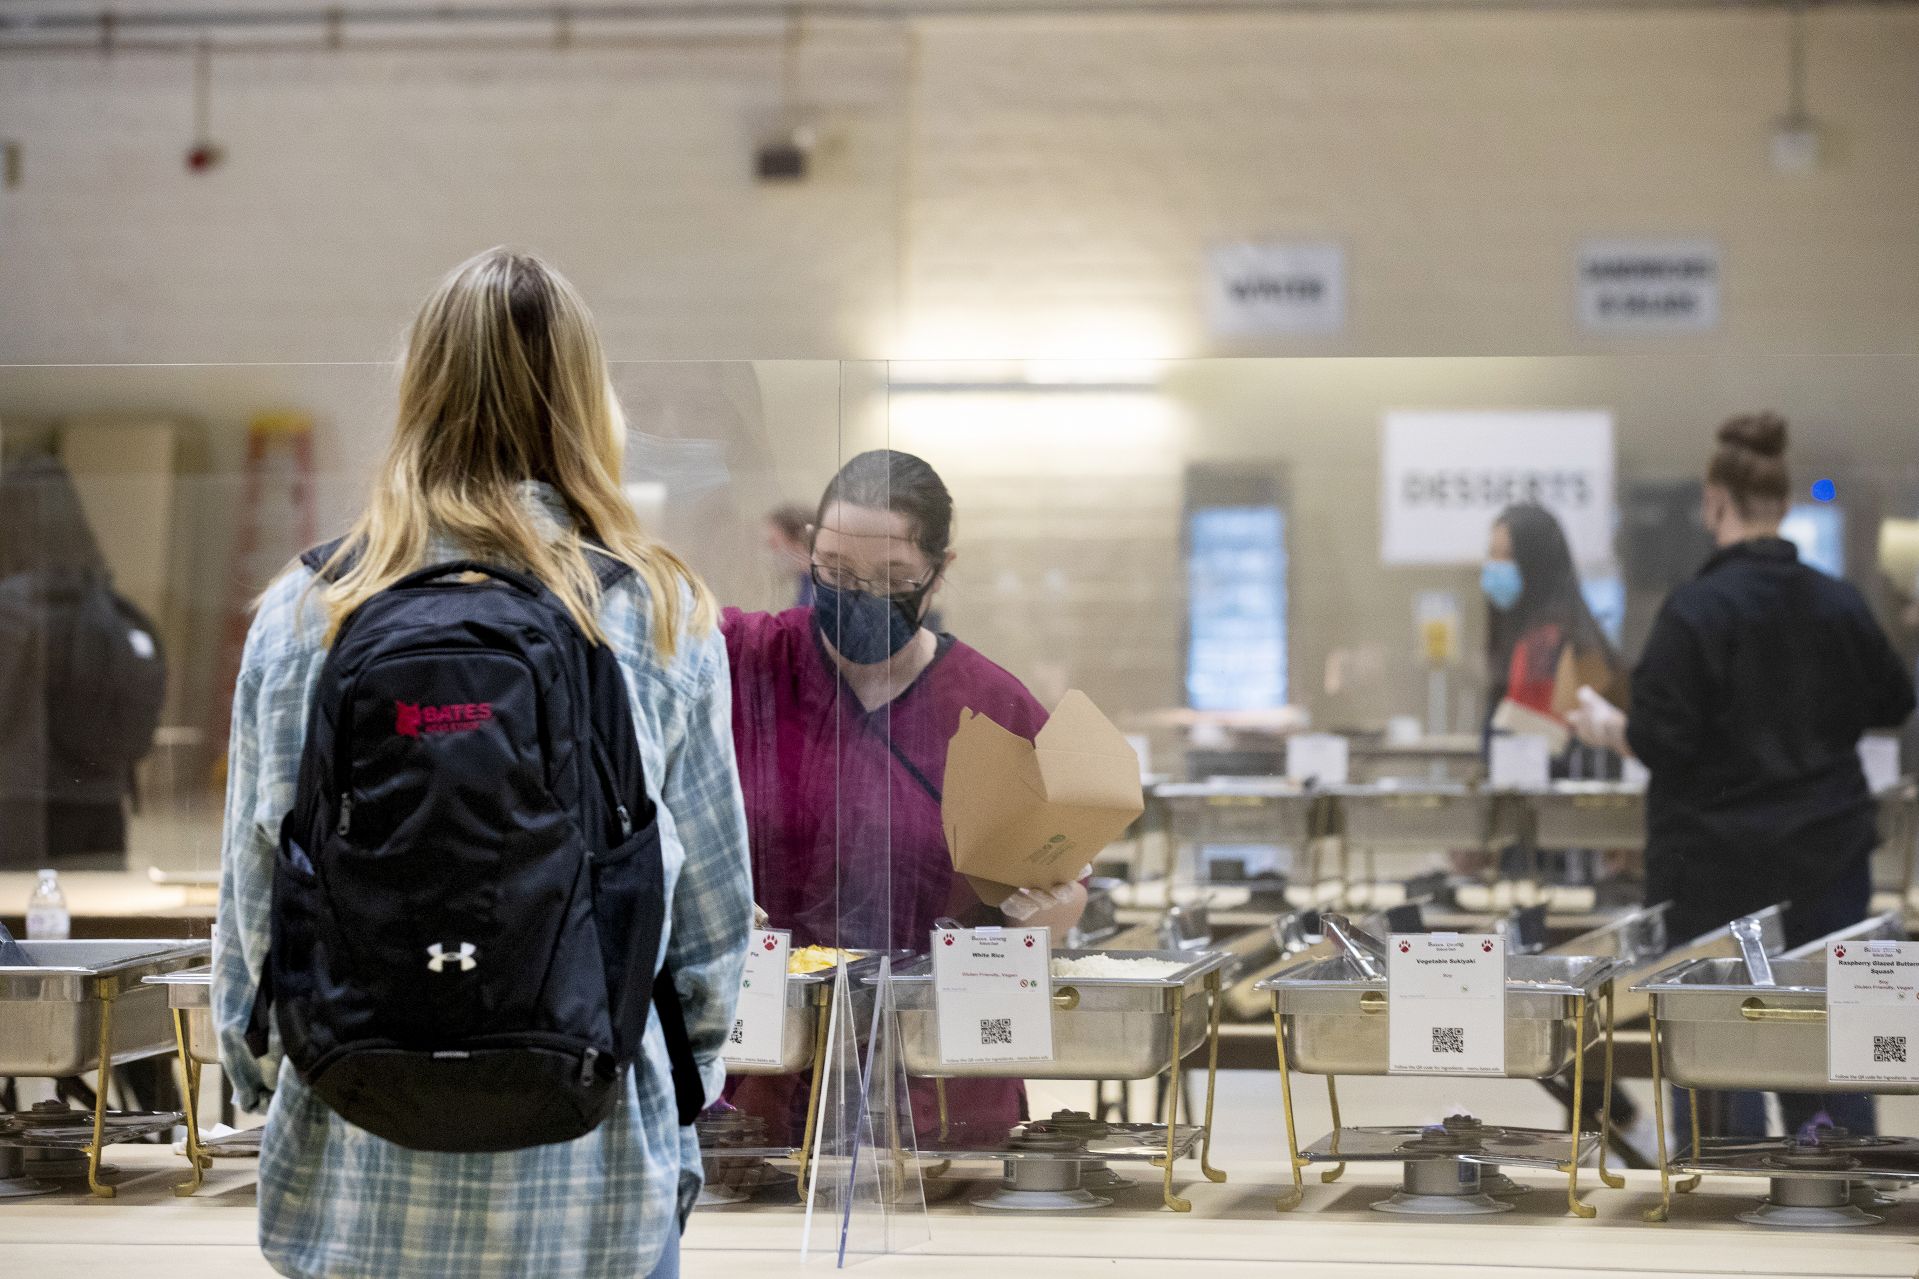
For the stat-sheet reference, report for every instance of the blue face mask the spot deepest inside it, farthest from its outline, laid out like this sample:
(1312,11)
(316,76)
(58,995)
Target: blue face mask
(866,629)
(1501,581)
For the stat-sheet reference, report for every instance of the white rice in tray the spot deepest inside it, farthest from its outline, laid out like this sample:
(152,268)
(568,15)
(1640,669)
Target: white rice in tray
(1140,968)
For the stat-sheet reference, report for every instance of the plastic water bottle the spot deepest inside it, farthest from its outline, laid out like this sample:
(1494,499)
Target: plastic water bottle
(47,917)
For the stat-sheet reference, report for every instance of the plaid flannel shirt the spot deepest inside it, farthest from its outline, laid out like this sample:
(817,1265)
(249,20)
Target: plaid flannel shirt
(335,1200)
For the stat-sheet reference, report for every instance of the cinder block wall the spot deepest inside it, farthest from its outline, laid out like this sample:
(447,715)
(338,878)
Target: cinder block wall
(985,186)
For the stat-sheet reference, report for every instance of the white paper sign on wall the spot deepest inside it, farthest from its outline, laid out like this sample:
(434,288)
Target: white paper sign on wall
(1255,289)
(1447,474)
(1648,286)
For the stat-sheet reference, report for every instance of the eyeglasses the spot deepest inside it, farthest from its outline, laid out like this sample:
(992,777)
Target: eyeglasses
(835,578)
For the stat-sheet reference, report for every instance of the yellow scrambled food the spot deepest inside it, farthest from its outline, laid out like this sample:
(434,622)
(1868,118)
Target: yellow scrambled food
(813,959)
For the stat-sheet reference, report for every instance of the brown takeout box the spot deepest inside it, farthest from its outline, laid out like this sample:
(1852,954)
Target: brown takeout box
(1022,814)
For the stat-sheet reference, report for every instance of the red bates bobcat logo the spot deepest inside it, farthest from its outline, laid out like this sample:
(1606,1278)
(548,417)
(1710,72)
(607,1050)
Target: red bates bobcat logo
(410,719)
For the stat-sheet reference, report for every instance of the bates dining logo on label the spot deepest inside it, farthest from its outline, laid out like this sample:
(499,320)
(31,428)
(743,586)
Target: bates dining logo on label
(410,719)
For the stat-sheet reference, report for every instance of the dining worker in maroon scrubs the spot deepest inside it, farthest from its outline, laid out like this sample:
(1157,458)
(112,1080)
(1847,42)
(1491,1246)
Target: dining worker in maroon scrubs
(842,712)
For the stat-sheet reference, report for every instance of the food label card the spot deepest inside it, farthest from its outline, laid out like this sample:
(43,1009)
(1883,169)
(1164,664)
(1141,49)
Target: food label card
(759,1018)
(993,994)
(1872,1012)
(1446,995)
(1521,761)
(1320,759)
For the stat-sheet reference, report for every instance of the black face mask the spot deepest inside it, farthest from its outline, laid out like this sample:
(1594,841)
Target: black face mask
(867,629)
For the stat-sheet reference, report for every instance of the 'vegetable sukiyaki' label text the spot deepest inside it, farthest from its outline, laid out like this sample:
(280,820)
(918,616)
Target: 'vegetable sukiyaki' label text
(1446,1004)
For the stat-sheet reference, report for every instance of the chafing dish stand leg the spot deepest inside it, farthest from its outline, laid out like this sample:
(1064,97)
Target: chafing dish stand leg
(822,1024)
(1213,999)
(197,1158)
(1664,1208)
(1288,1201)
(1691,1183)
(1337,1171)
(100,1101)
(1165,1161)
(1611,1179)
(1571,1169)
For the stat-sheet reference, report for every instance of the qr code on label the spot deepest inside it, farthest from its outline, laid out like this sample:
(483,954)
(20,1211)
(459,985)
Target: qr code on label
(1889,1048)
(1449,1039)
(995,1030)
(739,1031)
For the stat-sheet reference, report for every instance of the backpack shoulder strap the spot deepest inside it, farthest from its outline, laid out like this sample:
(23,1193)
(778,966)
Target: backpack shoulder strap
(607,567)
(316,559)
(689,1091)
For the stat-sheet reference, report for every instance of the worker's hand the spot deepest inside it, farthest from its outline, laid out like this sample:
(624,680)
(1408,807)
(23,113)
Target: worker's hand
(1597,722)
(1028,902)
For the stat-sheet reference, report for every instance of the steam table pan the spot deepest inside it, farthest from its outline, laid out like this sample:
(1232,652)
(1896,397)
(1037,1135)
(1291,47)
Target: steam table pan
(1103,1027)
(51,1008)
(1334,1020)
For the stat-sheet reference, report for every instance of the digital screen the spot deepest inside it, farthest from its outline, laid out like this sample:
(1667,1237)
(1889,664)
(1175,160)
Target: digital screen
(1819,531)
(1606,597)
(1236,608)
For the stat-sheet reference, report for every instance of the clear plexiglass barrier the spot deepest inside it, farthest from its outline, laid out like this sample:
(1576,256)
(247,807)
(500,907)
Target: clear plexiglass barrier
(1336,613)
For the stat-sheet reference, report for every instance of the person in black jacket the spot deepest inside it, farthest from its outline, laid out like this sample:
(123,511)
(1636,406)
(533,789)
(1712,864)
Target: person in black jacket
(1748,703)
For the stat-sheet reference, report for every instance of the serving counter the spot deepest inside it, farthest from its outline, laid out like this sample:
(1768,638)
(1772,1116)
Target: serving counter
(1233,1233)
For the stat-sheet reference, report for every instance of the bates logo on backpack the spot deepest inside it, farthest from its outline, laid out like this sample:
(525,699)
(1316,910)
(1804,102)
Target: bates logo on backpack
(410,719)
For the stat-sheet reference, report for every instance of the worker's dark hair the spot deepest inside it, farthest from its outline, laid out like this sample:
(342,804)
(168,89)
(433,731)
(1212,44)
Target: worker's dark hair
(1549,589)
(1750,462)
(791,519)
(888,480)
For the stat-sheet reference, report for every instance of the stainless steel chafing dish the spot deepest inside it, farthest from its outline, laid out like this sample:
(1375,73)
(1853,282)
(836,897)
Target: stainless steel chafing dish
(190,992)
(1421,816)
(1630,1001)
(1570,814)
(51,1009)
(1635,939)
(1103,1027)
(808,996)
(1266,810)
(1333,1016)
(72,1007)
(1736,1024)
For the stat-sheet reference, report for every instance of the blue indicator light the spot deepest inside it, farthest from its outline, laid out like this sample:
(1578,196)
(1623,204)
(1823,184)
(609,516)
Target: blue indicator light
(1824,490)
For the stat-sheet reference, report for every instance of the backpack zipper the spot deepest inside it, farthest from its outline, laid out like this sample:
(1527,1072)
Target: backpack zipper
(591,1056)
(346,816)
(626,822)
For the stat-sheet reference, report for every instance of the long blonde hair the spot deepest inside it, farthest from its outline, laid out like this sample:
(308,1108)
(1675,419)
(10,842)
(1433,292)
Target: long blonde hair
(505,382)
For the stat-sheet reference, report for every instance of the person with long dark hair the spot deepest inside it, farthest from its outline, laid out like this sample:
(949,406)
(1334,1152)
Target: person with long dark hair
(1542,641)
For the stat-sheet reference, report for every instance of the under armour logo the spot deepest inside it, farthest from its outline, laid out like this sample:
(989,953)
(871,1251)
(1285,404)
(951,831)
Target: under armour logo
(438,958)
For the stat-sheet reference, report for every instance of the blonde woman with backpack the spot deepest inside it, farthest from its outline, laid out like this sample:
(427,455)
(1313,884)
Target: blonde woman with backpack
(484,897)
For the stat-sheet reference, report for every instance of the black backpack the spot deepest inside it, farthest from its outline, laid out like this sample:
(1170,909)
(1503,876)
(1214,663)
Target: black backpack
(106,679)
(468,898)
